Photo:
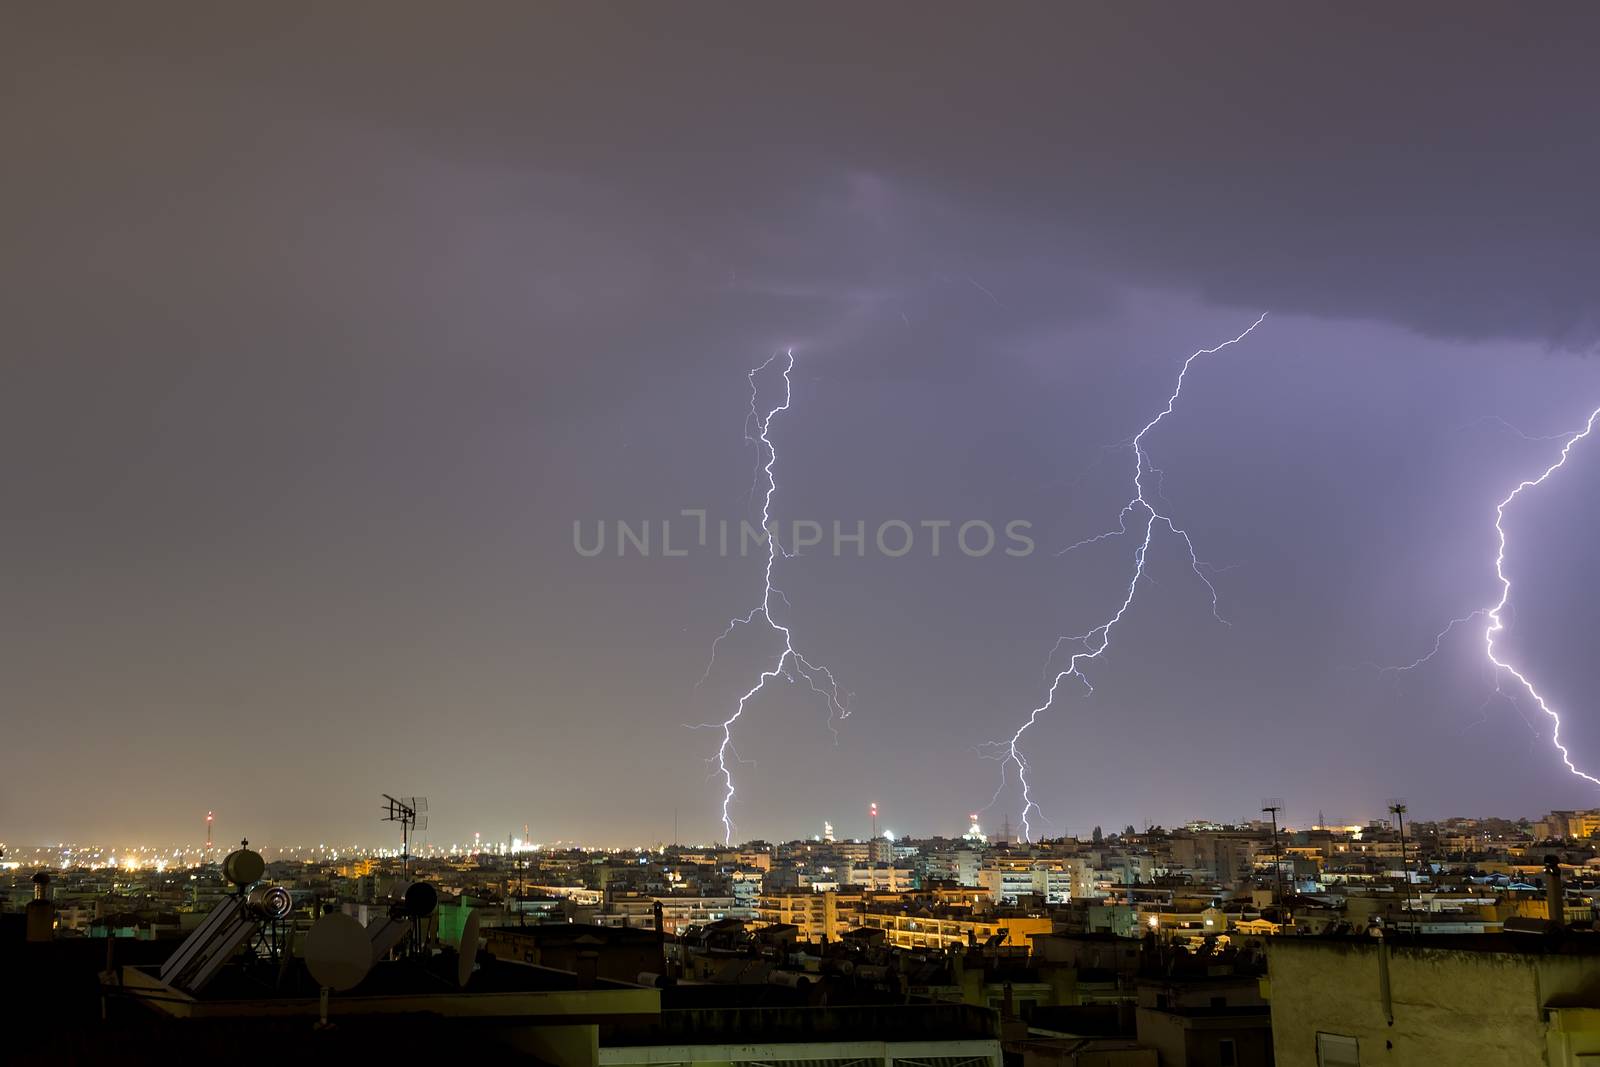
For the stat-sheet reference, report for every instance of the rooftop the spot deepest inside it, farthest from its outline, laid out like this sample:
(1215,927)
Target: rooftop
(1568,943)
(877,1022)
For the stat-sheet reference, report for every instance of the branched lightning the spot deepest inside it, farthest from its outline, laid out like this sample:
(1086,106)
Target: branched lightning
(790,661)
(1092,643)
(1494,616)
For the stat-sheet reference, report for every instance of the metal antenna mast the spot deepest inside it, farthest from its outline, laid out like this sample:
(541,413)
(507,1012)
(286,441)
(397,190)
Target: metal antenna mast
(1397,808)
(1272,806)
(405,811)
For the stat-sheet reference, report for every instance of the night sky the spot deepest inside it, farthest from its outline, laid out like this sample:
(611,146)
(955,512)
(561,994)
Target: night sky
(325,323)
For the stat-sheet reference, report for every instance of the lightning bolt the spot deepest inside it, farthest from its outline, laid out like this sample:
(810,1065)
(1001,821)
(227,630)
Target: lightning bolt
(1093,643)
(790,662)
(1494,621)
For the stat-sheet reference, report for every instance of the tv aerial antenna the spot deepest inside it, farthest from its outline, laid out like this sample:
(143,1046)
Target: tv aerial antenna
(1397,807)
(412,815)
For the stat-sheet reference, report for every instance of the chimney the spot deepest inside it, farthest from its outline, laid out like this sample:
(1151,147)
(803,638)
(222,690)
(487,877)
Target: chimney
(1554,892)
(41,918)
(661,938)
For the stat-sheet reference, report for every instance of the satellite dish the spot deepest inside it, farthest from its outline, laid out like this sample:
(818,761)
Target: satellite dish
(337,952)
(244,867)
(467,951)
(419,899)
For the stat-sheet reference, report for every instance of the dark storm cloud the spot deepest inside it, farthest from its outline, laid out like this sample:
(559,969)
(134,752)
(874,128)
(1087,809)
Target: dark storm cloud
(1427,164)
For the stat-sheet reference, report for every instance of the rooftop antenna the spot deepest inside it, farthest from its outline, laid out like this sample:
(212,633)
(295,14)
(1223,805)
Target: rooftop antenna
(409,812)
(1397,808)
(210,818)
(1272,806)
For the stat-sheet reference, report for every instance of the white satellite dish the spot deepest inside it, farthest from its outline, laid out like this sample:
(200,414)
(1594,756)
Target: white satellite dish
(337,952)
(467,950)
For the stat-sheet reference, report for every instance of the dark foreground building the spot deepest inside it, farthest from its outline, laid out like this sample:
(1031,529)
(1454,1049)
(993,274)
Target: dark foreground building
(1423,1002)
(70,1007)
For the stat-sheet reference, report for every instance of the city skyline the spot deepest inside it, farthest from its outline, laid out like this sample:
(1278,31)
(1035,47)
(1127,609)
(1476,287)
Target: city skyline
(327,363)
(511,838)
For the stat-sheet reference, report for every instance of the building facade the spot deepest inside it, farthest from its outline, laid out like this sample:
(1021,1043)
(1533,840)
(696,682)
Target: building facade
(1496,999)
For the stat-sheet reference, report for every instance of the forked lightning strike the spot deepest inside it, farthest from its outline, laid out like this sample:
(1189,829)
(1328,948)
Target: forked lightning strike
(1495,622)
(790,662)
(1096,641)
